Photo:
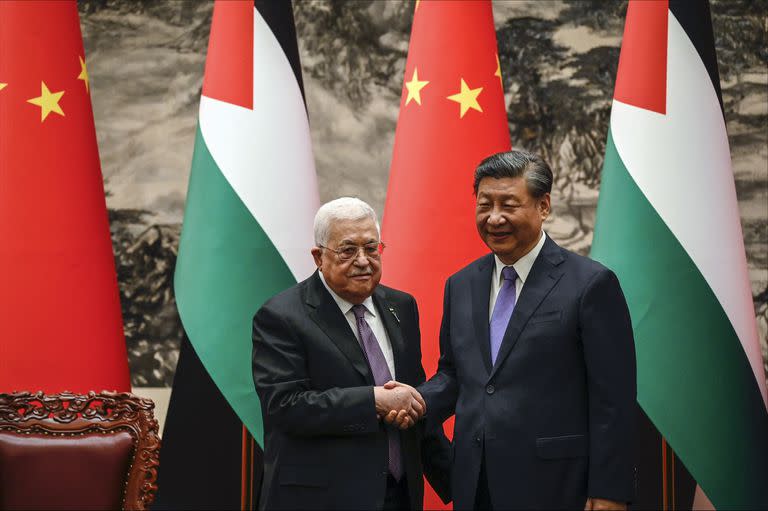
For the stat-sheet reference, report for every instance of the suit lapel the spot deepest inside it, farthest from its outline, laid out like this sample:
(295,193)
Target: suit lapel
(389,316)
(544,274)
(481,297)
(326,313)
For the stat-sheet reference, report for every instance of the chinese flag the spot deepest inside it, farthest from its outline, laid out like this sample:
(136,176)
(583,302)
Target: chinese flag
(60,322)
(452,116)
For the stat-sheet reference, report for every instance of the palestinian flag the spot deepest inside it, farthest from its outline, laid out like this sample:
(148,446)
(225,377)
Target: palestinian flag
(668,225)
(246,236)
(60,321)
(452,115)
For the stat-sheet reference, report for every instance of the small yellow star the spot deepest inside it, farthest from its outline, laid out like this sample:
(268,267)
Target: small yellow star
(3,85)
(417,6)
(414,88)
(467,98)
(498,70)
(47,101)
(83,74)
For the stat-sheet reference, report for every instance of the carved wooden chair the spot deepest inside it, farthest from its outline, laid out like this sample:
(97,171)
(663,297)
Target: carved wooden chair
(70,451)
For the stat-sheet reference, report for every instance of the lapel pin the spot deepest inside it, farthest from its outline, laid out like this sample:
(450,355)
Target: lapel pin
(394,314)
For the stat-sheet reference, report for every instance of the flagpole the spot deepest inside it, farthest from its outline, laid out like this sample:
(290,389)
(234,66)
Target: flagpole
(251,480)
(663,474)
(243,469)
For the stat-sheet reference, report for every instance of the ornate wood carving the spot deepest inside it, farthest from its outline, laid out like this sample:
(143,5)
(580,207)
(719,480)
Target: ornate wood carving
(71,414)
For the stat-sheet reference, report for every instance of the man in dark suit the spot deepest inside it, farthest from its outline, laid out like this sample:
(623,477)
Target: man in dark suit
(322,351)
(537,360)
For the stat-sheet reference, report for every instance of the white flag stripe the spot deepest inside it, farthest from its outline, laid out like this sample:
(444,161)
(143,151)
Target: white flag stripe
(258,157)
(687,177)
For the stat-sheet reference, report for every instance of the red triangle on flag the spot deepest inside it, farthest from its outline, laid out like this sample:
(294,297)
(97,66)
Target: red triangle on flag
(641,79)
(229,63)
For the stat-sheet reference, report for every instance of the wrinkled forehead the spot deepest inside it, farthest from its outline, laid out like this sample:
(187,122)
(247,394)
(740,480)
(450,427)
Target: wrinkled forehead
(502,188)
(356,232)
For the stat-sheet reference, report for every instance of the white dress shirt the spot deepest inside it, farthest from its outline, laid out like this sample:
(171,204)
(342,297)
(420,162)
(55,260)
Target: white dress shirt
(522,267)
(374,321)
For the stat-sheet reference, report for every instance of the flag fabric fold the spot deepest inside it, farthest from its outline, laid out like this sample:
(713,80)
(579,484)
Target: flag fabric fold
(248,219)
(668,224)
(60,322)
(452,115)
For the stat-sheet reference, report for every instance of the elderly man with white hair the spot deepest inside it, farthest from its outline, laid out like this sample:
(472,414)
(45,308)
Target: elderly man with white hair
(322,352)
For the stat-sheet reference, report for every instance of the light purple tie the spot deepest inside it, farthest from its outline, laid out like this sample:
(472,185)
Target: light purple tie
(381,375)
(502,311)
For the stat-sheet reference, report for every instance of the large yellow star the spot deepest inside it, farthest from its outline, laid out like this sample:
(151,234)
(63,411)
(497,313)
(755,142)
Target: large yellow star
(47,101)
(2,86)
(467,98)
(414,88)
(498,70)
(83,74)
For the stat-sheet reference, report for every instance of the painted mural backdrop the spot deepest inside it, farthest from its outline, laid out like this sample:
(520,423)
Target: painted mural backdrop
(558,61)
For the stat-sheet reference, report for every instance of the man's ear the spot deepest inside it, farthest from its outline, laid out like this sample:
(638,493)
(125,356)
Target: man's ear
(317,255)
(545,206)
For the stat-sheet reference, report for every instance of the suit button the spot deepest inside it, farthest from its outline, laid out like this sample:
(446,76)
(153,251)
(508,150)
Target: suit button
(490,389)
(477,440)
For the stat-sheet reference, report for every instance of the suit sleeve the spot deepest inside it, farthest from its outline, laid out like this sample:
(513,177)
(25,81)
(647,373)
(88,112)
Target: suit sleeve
(609,353)
(435,446)
(441,391)
(287,398)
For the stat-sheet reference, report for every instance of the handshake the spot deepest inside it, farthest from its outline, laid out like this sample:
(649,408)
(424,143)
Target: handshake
(399,404)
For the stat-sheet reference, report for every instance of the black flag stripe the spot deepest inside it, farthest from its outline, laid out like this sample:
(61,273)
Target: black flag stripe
(279,17)
(696,20)
(200,458)
(206,461)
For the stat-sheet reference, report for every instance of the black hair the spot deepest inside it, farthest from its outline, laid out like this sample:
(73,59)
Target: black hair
(537,174)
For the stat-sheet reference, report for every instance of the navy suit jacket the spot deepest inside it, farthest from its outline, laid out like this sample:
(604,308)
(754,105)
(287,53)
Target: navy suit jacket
(553,418)
(323,445)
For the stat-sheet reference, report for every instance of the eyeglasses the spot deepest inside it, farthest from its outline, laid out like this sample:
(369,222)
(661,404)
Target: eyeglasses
(348,252)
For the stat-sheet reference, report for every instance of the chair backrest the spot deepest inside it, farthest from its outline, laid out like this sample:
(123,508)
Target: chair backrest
(70,451)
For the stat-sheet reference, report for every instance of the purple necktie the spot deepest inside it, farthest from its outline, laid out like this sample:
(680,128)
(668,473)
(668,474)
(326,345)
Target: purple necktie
(381,375)
(502,311)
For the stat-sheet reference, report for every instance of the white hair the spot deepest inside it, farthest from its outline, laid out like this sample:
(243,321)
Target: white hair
(343,208)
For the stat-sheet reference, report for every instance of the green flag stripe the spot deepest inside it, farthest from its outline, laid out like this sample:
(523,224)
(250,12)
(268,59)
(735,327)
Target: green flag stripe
(226,269)
(694,379)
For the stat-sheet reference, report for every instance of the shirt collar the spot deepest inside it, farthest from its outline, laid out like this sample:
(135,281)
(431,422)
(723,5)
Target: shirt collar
(344,305)
(523,265)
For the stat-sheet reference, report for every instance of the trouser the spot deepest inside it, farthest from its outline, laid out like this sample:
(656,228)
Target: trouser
(482,494)
(397,498)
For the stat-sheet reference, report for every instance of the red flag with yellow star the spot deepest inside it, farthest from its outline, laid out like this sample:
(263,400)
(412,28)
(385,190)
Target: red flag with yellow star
(60,321)
(452,116)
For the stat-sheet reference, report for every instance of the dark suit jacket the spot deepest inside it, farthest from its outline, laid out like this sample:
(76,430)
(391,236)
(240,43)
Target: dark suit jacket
(553,417)
(324,447)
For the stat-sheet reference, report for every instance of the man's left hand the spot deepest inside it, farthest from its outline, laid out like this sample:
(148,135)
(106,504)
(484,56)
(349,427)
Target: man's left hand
(400,418)
(594,504)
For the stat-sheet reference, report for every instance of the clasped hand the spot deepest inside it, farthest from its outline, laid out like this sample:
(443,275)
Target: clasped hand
(399,404)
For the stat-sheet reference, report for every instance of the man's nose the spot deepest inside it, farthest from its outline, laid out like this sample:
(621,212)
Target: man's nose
(360,258)
(496,218)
